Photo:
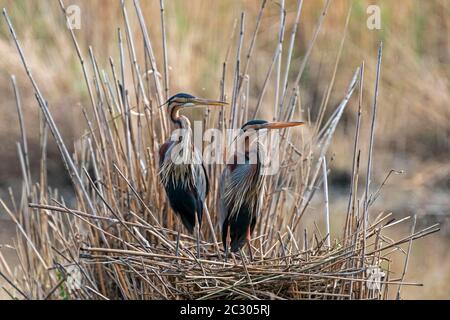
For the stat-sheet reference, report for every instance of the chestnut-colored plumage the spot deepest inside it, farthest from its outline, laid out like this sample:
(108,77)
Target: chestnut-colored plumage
(241,187)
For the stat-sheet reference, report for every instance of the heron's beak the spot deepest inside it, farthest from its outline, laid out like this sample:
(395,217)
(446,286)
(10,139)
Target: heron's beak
(205,102)
(281,125)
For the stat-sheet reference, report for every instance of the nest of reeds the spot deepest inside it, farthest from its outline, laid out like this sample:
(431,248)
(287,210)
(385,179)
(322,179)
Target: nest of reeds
(117,239)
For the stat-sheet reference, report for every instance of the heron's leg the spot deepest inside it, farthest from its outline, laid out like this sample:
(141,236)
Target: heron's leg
(177,250)
(248,243)
(227,243)
(197,228)
(225,249)
(198,241)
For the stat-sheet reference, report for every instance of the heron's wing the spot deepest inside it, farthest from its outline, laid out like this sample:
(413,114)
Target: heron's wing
(234,184)
(164,151)
(200,176)
(236,211)
(241,176)
(184,202)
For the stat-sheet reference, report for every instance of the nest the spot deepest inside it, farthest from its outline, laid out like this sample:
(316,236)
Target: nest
(166,266)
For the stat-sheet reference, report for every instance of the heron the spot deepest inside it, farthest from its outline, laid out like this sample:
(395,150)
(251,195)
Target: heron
(181,169)
(241,187)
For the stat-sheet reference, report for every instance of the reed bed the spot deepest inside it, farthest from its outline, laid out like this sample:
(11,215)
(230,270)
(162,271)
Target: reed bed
(116,239)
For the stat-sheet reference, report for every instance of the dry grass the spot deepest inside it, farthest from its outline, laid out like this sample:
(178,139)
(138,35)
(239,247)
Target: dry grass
(118,233)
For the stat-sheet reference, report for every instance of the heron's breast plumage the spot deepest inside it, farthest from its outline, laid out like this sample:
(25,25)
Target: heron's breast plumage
(241,185)
(190,174)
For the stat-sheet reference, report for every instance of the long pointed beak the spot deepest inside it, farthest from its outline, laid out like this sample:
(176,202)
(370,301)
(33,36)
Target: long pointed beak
(281,125)
(206,102)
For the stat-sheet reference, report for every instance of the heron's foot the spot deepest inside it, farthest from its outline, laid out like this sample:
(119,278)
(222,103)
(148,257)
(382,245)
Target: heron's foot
(250,250)
(177,248)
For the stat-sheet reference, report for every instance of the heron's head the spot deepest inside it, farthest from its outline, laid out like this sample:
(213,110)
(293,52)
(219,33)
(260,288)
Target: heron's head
(185,100)
(263,124)
(254,126)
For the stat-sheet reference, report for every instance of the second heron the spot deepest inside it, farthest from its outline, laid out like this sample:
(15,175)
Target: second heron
(241,186)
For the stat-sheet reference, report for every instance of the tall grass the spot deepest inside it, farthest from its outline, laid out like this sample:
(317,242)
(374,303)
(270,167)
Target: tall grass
(119,239)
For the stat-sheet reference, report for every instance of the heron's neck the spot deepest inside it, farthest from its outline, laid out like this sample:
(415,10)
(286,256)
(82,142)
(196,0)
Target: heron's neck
(254,146)
(183,123)
(180,121)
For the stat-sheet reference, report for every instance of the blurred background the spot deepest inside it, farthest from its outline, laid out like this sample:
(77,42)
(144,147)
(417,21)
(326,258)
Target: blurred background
(413,127)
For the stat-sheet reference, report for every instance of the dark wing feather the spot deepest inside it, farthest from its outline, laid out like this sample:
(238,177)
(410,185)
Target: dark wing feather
(239,226)
(163,150)
(186,200)
(200,189)
(245,215)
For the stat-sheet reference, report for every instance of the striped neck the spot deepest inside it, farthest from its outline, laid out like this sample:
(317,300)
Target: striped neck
(180,121)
